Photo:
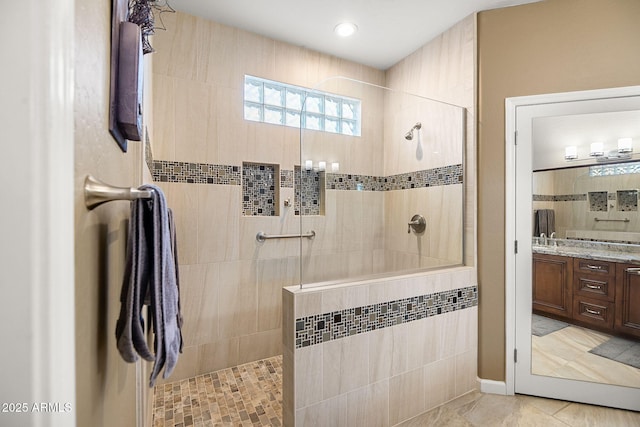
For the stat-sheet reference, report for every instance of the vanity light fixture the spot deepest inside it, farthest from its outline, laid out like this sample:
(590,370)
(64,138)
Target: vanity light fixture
(571,152)
(597,149)
(308,165)
(625,145)
(345,29)
(322,166)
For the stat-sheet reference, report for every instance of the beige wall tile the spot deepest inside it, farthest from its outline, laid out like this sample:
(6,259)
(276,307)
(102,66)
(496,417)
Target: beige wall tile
(330,412)
(271,276)
(439,384)
(345,365)
(216,355)
(406,396)
(308,367)
(260,345)
(237,303)
(369,406)
(466,372)
(183,201)
(388,352)
(218,222)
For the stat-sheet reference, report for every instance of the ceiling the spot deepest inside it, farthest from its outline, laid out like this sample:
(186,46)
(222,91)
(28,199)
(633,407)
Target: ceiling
(388,30)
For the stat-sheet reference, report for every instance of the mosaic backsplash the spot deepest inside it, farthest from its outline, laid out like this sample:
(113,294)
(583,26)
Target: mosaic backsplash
(195,173)
(259,183)
(319,328)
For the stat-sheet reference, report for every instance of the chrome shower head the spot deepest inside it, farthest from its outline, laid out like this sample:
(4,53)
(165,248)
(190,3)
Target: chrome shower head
(409,135)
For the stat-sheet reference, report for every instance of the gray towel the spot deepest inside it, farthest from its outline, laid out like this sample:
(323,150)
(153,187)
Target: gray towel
(544,222)
(151,275)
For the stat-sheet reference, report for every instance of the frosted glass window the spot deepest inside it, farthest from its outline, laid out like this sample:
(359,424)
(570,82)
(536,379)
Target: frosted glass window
(253,91)
(614,169)
(332,107)
(295,99)
(273,115)
(293,119)
(252,112)
(314,103)
(332,125)
(313,121)
(274,95)
(287,105)
(349,110)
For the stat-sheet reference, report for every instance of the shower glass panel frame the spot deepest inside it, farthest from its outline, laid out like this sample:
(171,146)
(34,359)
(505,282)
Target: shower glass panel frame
(360,193)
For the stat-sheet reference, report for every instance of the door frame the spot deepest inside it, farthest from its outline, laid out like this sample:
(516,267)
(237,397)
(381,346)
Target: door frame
(37,275)
(516,262)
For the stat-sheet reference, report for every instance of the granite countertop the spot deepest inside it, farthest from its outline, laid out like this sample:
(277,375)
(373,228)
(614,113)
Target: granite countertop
(612,252)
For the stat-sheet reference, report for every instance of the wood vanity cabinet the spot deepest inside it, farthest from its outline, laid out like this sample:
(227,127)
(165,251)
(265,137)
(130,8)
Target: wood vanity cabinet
(552,284)
(599,294)
(594,289)
(628,299)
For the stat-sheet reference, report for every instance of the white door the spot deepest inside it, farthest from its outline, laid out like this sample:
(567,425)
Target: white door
(36,244)
(525,116)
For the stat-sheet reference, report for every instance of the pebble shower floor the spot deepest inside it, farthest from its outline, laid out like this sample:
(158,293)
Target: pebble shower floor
(245,395)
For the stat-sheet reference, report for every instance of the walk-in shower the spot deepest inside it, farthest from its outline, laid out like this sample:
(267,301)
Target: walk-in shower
(362,186)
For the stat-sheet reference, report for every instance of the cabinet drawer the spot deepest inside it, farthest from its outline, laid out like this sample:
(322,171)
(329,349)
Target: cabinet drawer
(592,311)
(594,286)
(591,266)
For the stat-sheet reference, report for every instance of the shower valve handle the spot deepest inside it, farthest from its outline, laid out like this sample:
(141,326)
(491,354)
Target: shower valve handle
(418,223)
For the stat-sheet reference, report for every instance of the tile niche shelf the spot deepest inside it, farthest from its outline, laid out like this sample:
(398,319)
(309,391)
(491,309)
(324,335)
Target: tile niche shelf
(627,200)
(259,189)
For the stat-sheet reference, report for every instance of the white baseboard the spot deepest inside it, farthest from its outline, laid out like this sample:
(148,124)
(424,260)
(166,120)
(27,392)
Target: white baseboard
(493,387)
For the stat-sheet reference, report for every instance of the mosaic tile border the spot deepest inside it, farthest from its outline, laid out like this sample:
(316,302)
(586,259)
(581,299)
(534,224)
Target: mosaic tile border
(195,173)
(560,198)
(205,173)
(319,328)
(445,175)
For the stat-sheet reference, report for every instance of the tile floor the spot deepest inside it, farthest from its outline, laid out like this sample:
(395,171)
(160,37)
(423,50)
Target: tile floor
(251,395)
(245,395)
(565,353)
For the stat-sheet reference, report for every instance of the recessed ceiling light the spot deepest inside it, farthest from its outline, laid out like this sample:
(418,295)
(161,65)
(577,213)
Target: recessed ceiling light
(345,29)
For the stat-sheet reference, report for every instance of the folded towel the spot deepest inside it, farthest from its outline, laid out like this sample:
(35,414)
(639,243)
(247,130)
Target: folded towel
(151,275)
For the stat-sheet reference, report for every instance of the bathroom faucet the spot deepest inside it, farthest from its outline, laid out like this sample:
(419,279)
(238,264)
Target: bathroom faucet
(553,237)
(544,238)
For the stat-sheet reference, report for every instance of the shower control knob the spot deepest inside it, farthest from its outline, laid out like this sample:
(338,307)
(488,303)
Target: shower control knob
(418,223)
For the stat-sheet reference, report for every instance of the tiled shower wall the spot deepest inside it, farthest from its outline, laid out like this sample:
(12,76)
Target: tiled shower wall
(231,284)
(573,195)
(378,352)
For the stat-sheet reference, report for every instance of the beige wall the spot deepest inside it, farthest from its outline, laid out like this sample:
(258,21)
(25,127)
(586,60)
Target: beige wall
(546,47)
(105,384)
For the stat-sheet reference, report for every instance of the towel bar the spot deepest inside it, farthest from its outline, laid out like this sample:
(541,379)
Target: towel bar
(611,220)
(97,192)
(262,236)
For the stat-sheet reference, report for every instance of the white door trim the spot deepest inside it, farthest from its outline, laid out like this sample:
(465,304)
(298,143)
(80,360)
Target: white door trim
(511,106)
(37,248)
